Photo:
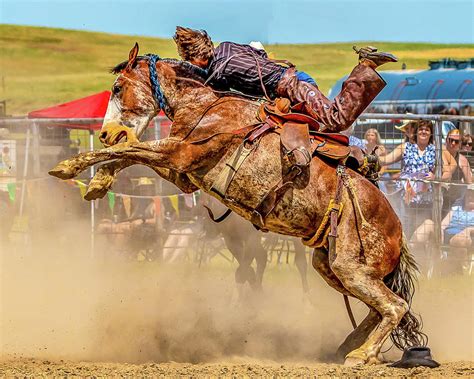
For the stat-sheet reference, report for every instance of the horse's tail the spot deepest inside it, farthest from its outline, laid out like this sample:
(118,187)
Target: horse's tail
(402,282)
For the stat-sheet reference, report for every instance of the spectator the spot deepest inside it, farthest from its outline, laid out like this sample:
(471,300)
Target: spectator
(459,223)
(373,143)
(466,142)
(419,163)
(130,234)
(373,140)
(456,170)
(457,226)
(182,232)
(408,130)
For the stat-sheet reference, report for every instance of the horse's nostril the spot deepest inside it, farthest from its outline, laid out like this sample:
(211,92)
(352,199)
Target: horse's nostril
(103,136)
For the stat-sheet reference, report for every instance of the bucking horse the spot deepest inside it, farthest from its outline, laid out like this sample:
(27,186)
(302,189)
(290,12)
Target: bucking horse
(370,261)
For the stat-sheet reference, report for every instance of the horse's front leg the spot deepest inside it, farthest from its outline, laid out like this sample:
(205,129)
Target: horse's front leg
(69,168)
(105,176)
(162,153)
(103,179)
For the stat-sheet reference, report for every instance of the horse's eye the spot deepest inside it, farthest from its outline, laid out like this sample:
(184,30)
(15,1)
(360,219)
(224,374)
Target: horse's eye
(116,89)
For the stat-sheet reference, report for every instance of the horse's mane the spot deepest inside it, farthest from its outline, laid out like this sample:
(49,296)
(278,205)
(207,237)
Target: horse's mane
(186,70)
(183,68)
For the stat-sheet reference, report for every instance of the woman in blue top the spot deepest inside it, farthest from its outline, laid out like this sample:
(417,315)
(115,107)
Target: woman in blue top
(419,163)
(457,226)
(458,231)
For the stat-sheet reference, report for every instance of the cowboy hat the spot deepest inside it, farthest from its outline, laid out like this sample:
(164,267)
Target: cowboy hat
(414,357)
(404,123)
(257,45)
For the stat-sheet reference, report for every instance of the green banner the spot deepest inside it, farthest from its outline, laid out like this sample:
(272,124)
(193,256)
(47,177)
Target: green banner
(111,196)
(11,191)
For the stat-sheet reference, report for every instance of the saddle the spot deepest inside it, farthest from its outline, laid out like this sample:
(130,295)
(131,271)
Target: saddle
(299,133)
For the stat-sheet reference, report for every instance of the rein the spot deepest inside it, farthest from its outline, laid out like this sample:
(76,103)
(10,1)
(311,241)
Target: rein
(208,108)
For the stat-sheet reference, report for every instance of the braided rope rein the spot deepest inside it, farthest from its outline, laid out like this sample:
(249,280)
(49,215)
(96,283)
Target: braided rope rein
(155,82)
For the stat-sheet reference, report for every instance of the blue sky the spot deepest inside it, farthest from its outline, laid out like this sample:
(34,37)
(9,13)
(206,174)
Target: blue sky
(279,21)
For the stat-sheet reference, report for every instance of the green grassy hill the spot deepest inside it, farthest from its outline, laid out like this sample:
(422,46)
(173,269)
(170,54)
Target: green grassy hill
(45,66)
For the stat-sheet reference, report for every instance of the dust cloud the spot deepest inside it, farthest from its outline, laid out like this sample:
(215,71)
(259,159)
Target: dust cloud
(59,302)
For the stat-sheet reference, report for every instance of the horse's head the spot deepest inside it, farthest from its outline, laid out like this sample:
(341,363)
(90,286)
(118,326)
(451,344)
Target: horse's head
(136,98)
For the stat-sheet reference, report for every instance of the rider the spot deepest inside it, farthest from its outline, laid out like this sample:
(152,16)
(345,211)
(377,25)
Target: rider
(250,71)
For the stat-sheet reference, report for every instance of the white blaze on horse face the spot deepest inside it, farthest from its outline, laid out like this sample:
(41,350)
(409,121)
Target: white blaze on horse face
(128,114)
(113,113)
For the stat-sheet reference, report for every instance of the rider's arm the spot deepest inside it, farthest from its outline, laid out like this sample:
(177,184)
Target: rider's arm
(216,75)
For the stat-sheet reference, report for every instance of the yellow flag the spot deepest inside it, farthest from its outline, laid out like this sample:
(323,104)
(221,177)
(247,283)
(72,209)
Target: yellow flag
(82,188)
(174,203)
(127,204)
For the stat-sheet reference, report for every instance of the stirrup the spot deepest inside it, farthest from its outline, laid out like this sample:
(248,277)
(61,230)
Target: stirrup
(297,161)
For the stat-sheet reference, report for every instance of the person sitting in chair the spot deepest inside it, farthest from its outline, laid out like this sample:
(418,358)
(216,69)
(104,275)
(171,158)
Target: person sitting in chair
(457,228)
(249,70)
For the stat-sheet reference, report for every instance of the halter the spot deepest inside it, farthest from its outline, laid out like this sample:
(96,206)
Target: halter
(155,83)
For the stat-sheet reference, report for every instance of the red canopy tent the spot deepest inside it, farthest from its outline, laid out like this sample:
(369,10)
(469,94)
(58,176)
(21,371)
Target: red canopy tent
(93,106)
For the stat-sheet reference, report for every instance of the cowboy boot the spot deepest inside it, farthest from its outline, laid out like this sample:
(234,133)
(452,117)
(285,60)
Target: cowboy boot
(369,53)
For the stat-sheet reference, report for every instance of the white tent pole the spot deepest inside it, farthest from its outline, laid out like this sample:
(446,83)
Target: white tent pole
(25,171)
(91,148)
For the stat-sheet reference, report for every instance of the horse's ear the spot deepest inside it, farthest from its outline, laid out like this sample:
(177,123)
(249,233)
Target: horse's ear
(132,57)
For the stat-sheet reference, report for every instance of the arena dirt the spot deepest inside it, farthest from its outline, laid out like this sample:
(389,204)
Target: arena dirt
(65,312)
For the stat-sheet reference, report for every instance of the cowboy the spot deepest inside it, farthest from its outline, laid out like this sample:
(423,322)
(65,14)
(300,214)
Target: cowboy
(250,71)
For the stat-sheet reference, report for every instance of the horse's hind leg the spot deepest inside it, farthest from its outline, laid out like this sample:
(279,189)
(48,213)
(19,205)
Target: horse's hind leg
(359,279)
(260,255)
(245,272)
(359,335)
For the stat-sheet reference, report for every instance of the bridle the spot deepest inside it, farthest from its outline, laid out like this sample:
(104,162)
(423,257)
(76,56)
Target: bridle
(155,83)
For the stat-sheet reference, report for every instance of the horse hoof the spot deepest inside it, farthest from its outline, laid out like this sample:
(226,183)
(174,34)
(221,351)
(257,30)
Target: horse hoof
(99,186)
(94,193)
(62,172)
(356,357)
(351,362)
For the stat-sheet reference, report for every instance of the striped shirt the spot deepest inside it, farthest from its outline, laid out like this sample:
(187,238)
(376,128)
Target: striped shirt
(234,66)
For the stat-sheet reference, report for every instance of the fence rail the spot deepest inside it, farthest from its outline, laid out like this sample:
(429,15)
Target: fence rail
(31,149)
(364,116)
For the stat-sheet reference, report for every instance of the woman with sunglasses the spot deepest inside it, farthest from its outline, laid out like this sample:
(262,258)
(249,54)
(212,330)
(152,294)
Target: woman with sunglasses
(466,142)
(456,169)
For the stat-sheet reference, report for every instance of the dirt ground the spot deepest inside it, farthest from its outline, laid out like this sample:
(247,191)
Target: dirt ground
(66,313)
(246,368)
